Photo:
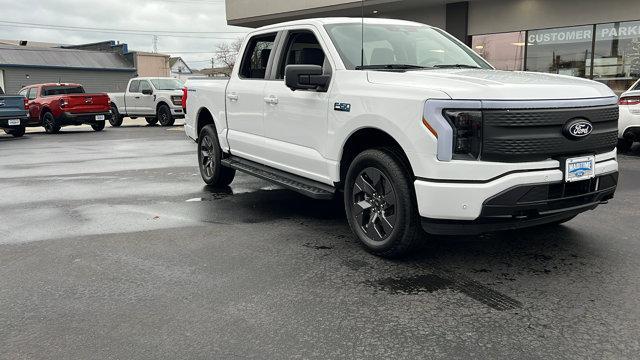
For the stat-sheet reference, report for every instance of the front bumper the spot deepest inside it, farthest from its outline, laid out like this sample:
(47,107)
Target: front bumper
(519,199)
(68,118)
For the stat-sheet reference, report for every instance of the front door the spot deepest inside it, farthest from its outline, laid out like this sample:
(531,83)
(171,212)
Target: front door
(245,94)
(296,121)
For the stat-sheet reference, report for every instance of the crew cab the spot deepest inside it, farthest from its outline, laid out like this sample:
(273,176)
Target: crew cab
(54,106)
(416,132)
(13,116)
(629,125)
(156,99)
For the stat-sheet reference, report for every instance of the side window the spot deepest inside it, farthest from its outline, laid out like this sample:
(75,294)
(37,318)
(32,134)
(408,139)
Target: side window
(33,94)
(134,87)
(144,85)
(302,48)
(256,57)
(23,92)
(637,87)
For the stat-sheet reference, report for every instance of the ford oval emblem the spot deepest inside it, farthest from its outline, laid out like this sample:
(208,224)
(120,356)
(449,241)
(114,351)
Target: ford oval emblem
(578,128)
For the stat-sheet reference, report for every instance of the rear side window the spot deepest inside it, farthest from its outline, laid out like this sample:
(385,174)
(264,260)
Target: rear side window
(637,87)
(134,87)
(33,94)
(61,90)
(256,57)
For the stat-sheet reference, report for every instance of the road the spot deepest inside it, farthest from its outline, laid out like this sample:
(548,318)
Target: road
(111,247)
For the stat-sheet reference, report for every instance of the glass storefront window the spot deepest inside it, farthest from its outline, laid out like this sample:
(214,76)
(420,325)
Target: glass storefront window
(504,51)
(617,54)
(564,51)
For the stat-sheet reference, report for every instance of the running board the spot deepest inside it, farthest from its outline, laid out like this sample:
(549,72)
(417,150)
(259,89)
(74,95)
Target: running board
(290,181)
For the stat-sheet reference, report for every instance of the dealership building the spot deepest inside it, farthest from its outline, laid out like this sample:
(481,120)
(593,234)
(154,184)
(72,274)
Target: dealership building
(595,39)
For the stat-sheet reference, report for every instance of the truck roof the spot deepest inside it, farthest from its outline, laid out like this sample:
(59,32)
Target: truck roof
(152,78)
(338,20)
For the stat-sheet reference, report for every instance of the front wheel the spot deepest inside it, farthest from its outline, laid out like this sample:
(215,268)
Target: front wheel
(164,116)
(380,204)
(210,159)
(116,118)
(98,126)
(50,124)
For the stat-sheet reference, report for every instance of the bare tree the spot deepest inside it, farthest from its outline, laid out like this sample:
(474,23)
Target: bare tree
(227,54)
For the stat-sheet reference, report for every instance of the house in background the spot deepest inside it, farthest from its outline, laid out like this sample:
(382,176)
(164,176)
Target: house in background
(179,68)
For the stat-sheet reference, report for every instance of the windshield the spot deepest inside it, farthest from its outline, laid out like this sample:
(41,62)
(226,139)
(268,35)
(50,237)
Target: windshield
(167,84)
(401,47)
(61,90)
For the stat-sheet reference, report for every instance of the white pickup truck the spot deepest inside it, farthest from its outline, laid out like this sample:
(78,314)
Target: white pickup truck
(156,99)
(418,133)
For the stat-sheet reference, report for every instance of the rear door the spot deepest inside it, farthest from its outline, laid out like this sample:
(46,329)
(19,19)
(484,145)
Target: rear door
(245,98)
(132,97)
(296,121)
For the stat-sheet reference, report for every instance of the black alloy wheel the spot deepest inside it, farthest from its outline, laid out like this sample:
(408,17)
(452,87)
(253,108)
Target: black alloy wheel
(210,159)
(116,118)
(164,116)
(49,123)
(380,203)
(374,204)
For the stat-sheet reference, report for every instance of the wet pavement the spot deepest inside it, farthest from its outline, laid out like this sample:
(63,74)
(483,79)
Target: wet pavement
(111,247)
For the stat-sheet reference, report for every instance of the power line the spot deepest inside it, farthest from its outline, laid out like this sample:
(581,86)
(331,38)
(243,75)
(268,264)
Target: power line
(136,31)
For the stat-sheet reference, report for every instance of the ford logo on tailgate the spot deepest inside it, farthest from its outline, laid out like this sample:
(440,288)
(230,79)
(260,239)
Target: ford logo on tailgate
(578,128)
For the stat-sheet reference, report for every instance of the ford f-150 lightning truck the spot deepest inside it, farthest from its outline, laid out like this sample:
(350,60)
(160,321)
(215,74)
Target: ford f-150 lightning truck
(416,132)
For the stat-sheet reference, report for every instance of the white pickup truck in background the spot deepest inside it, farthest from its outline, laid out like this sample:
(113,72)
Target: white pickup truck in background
(156,99)
(422,136)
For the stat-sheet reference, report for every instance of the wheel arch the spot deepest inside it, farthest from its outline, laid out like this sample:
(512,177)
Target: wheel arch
(204,117)
(160,103)
(370,138)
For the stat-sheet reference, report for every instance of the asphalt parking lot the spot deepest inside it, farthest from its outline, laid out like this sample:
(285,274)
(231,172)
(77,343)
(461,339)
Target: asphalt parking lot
(111,247)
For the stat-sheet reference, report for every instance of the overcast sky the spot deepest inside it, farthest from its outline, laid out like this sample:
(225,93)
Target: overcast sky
(168,16)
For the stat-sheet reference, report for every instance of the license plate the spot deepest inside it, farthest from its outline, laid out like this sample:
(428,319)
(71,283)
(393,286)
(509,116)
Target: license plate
(14,122)
(99,117)
(582,168)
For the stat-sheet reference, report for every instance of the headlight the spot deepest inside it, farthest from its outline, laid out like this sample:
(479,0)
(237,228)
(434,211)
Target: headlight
(467,133)
(176,100)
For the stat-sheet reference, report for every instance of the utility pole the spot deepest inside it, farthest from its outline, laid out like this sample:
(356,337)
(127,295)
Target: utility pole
(213,65)
(155,43)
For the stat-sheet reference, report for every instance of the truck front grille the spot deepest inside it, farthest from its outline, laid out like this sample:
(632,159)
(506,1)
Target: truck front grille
(516,135)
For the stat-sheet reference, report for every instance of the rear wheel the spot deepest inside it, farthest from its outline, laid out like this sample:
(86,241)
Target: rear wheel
(210,159)
(151,120)
(380,204)
(164,116)
(116,118)
(50,124)
(19,132)
(98,126)
(624,145)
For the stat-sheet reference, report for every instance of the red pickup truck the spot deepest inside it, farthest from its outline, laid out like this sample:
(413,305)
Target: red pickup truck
(53,106)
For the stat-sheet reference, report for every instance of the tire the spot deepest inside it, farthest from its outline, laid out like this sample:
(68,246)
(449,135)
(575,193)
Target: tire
(50,124)
(151,121)
(116,118)
(624,145)
(380,204)
(164,115)
(209,159)
(98,126)
(19,132)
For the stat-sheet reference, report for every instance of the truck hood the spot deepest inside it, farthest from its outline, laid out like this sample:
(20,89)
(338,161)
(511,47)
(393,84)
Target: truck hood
(480,84)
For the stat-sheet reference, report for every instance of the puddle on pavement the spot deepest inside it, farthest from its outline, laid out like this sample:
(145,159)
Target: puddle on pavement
(429,283)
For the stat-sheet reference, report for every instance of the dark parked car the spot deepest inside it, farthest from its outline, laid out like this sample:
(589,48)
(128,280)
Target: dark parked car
(13,114)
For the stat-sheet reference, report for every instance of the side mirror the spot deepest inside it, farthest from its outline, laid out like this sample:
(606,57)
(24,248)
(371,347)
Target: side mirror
(147,92)
(306,77)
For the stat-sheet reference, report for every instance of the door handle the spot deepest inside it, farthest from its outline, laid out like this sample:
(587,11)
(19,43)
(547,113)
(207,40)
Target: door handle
(137,97)
(271,100)
(232,97)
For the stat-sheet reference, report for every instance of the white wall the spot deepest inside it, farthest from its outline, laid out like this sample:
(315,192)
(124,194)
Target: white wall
(494,16)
